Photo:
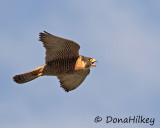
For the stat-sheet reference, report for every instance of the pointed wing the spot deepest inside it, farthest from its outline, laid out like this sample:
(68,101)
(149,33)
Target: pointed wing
(58,48)
(72,81)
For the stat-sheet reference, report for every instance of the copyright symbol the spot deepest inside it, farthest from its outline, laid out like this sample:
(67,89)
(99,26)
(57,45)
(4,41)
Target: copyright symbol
(98,119)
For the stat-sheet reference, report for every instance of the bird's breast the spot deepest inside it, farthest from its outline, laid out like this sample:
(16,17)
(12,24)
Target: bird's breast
(79,64)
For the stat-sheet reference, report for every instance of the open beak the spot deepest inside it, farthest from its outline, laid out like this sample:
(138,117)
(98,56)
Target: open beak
(93,60)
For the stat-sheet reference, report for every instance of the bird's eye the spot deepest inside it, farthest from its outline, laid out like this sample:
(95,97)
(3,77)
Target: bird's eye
(90,59)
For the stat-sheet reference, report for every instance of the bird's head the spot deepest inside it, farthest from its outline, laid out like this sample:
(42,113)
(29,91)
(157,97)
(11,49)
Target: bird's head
(89,62)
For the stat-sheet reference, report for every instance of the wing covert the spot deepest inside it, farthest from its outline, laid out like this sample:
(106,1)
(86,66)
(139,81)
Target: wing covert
(72,81)
(58,48)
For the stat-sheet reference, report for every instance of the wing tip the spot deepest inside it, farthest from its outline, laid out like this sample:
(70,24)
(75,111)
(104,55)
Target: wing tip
(42,35)
(62,85)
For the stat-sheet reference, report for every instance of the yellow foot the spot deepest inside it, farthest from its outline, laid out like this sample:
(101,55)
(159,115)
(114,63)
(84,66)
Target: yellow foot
(40,74)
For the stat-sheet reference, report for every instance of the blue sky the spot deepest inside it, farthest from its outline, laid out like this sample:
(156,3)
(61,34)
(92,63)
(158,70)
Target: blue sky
(122,35)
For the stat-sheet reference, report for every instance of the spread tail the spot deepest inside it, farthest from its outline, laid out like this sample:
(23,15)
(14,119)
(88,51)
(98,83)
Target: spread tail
(26,77)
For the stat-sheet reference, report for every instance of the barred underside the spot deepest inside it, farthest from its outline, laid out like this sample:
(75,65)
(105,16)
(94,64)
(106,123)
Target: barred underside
(60,66)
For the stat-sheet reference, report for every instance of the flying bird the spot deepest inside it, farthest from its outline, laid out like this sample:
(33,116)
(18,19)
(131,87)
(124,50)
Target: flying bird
(62,60)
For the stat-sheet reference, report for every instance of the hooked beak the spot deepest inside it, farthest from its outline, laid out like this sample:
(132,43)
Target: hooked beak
(93,65)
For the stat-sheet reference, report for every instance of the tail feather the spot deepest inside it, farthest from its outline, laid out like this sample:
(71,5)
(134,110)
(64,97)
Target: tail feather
(26,77)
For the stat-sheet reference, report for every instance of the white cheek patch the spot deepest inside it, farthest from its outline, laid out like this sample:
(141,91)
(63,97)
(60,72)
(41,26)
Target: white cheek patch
(83,64)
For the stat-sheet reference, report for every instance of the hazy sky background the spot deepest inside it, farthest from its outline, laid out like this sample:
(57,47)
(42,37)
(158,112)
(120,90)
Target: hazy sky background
(123,35)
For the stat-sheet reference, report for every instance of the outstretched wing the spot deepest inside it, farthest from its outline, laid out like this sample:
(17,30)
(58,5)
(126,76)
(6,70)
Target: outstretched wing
(72,81)
(58,48)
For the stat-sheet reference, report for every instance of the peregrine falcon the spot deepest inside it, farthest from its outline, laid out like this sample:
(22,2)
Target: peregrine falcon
(62,60)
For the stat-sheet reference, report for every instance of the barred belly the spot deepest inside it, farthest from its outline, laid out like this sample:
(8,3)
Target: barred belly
(60,66)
